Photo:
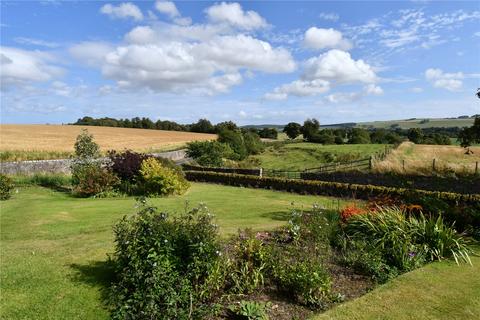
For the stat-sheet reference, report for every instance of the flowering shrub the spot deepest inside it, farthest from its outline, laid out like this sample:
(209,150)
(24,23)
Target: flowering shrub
(351,210)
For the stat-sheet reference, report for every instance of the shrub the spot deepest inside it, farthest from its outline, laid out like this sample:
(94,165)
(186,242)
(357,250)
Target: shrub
(93,179)
(236,142)
(208,153)
(158,179)
(303,277)
(6,187)
(166,268)
(252,142)
(126,165)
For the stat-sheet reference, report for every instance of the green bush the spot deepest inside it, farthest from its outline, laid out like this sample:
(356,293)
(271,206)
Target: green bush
(6,187)
(407,241)
(208,153)
(91,179)
(158,179)
(166,268)
(235,140)
(303,277)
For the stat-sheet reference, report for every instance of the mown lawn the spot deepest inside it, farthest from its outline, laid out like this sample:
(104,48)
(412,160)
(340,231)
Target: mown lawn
(299,156)
(441,290)
(54,247)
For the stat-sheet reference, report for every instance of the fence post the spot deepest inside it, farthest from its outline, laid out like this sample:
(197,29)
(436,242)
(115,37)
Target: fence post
(476,167)
(403,164)
(370,163)
(433,164)
(261,173)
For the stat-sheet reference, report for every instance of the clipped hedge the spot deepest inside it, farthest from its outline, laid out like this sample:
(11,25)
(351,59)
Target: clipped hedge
(334,189)
(253,172)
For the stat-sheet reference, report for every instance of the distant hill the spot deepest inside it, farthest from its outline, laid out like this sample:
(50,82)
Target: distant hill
(462,121)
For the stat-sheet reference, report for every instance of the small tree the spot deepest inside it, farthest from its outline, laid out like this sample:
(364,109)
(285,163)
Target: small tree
(292,130)
(469,136)
(415,135)
(85,147)
(310,128)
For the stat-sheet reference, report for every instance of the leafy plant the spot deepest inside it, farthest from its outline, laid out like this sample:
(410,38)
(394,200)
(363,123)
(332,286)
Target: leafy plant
(208,153)
(92,179)
(85,146)
(302,277)
(249,263)
(250,310)
(126,165)
(6,187)
(158,179)
(166,268)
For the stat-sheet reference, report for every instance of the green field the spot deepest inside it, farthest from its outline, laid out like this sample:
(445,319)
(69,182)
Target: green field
(303,155)
(54,247)
(418,123)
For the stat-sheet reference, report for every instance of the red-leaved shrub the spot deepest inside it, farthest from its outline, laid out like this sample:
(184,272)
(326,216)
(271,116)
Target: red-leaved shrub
(350,211)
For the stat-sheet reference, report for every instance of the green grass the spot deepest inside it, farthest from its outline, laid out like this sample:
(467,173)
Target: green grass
(416,123)
(54,247)
(441,290)
(299,156)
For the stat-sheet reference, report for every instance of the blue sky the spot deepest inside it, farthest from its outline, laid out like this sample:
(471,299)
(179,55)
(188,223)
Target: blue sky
(251,62)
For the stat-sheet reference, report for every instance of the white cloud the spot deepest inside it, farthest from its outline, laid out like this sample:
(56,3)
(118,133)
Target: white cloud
(20,67)
(343,97)
(477,34)
(329,16)
(448,81)
(164,58)
(299,88)
(123,10)
(168,8)
(332,68)
(90,53)
(416,90)
(233,14)
(338,66)
(372,89)
(317,38)
(36,42)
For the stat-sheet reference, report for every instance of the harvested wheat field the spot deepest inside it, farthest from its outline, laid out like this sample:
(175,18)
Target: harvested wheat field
(410,158)
(61,138)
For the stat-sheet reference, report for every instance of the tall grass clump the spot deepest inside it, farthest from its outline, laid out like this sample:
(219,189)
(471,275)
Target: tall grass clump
(48,180)
(407,241)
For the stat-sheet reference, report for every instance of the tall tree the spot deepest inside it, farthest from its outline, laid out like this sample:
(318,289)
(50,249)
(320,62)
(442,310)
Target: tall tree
(292,130)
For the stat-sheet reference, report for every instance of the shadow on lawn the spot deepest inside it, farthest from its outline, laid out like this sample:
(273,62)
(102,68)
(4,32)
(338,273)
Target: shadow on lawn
(277,215)
(96,274)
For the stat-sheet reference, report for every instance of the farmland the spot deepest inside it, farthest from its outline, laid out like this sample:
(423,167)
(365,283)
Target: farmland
(418,159)
(54,141)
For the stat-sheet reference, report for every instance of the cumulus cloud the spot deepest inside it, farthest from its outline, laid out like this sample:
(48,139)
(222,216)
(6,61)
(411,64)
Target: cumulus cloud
(123,10)
(332,68)
(234,15)
(174,58)
(318,38)
(168,8)
(448,81)
(21,67)
(337,65)
(90,53)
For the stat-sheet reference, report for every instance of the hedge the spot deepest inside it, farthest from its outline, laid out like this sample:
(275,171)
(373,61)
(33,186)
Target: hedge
(253,172)
(334,189)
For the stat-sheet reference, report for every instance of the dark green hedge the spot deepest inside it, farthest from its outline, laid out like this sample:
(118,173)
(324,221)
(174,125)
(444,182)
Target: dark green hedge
(334,189)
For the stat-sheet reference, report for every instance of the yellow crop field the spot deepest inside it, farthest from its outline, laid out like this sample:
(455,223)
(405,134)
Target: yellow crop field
(59,139)
(413,158)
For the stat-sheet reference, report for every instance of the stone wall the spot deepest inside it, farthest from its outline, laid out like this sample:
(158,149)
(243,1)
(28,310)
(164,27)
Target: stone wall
(63,165)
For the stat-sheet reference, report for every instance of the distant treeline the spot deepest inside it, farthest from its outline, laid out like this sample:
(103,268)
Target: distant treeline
(201,126)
